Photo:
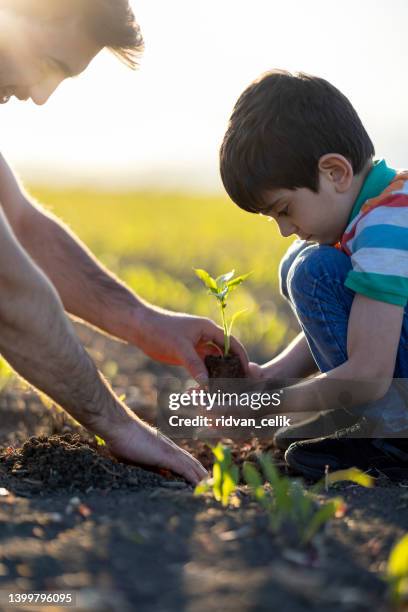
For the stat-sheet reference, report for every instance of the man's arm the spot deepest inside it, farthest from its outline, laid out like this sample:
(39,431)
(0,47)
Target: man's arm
(372,343)
(39,341)
(89,291)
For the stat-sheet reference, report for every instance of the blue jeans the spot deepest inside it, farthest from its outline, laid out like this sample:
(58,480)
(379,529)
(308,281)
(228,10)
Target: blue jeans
(312,280)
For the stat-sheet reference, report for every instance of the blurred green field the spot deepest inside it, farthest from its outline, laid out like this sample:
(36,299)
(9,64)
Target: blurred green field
(152,241)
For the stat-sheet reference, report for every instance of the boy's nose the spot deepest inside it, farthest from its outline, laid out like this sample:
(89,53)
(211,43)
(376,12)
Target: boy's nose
(286,228)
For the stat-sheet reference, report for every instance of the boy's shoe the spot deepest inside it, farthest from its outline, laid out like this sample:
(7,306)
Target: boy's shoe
(321,424)
(348,448)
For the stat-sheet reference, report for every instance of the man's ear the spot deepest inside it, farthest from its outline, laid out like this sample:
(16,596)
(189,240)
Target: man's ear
(336,169)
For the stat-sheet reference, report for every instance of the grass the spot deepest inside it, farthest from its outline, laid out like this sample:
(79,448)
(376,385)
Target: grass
(153,241)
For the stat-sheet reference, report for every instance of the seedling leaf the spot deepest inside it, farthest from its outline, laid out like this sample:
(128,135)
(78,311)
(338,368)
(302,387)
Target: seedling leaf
(398,560)
(228,487)
(252,476)
(234,318)
(238,280)
(224,278)
(269,470)
(208,280)
(202,487)
(324,514)
(397,571)
(219,452)
(217,481)
(352,474)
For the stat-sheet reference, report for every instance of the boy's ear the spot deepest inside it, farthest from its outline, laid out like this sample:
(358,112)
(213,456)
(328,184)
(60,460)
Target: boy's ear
(336,169)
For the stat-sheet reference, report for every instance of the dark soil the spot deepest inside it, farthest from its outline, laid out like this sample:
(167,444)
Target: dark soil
(69,524)
(69,463)
(224,367)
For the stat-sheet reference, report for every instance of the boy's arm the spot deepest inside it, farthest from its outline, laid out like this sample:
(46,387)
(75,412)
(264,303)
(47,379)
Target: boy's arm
(296,361)
(373,336)
(93,294)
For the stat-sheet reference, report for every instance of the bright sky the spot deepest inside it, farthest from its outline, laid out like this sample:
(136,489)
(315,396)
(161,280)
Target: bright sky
(163,124)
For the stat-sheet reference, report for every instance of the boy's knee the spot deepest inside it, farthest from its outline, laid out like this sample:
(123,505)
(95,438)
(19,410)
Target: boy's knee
(286,263)
(284,267)
(312,265)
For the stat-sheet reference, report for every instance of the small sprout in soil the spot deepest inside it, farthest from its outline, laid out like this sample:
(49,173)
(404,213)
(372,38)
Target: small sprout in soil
(225,476)
(397,573)
(352,475)
(221,288)
(288,502)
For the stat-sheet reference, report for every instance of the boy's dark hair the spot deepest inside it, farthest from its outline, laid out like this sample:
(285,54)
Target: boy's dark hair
(110,23)
(280,127)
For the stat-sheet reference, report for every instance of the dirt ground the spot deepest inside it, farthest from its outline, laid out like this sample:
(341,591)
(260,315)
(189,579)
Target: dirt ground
(121,538)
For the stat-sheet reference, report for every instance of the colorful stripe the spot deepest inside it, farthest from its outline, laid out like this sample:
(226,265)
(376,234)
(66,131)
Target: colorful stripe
(376,239)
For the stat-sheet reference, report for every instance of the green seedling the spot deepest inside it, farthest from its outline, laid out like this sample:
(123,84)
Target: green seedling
(352,475)
(225,476)
(397,573)
(221,288)
(288,501)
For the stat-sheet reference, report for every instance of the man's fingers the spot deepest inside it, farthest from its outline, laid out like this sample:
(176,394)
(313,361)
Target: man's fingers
(188,466)
(194,365)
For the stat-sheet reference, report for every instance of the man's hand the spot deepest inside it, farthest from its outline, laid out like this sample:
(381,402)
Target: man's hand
(95,295)
(38,340)
(181,339)
(137,442)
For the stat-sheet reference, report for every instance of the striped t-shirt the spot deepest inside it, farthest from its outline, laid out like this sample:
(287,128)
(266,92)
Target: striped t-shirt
(376,237)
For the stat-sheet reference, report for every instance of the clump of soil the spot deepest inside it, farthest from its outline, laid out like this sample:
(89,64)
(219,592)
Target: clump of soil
(242,451)
(224,366)
(68,462)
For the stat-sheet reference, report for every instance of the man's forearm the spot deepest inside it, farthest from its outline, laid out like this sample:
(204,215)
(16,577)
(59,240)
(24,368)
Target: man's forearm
(38,340)
(87,290)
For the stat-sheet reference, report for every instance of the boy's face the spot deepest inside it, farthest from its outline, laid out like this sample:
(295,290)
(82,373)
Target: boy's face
(36,55)
(320,217)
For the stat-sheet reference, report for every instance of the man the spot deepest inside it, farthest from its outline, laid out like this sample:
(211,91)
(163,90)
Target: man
(45,270)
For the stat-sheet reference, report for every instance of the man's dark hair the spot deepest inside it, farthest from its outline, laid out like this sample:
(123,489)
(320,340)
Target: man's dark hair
(280,127)
(110,23)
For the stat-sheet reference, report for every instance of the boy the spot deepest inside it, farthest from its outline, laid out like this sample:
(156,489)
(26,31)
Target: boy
(296,151)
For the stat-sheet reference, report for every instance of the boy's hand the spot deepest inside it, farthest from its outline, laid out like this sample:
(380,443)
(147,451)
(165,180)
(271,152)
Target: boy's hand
(182,339)
(267,371)
(256,371)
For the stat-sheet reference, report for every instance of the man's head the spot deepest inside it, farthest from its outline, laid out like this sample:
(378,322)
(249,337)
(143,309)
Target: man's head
(296,150)
(43,42)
